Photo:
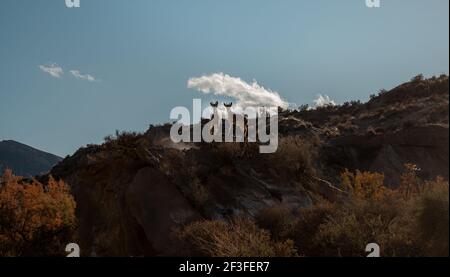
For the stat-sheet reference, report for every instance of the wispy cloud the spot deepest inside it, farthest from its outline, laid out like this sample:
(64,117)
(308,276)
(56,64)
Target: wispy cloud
(85,77)
(323,100)
(54,70)
(245,94)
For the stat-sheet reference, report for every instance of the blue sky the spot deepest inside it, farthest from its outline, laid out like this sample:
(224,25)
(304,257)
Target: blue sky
(143,52)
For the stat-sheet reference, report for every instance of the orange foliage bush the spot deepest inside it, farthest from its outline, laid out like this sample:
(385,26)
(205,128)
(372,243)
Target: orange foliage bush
(364,185)
(35,218)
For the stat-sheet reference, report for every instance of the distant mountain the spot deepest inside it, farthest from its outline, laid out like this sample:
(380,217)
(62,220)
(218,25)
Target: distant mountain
(25,160)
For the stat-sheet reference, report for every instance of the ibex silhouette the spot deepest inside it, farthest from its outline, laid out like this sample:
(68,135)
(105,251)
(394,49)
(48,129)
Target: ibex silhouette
(214,116)
(234,127)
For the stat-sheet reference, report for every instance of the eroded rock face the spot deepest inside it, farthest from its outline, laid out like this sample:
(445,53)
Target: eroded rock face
(158,207)
(128,205)
(425,146)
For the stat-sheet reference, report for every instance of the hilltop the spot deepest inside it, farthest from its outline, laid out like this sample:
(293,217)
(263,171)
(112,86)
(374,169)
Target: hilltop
(133,190)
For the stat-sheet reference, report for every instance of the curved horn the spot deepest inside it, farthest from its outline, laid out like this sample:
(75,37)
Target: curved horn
(228,105)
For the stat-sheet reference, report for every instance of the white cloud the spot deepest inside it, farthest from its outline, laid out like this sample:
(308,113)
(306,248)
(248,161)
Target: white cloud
(85,77)
(323,100)
(245,94)
(54,70)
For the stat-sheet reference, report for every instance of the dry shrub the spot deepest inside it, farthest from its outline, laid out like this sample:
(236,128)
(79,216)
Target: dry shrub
(348,230)
(416,225)
(238,238)
(306,227)
(171,162)
(122,139)
(364,185)
(433,218)
(35,218)
(200,194)
(294,158)
(346,126)
(418,78)
(329,229)
(277,219)
(227,152)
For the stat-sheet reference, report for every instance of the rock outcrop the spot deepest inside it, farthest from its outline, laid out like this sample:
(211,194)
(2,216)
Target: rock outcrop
(133,191)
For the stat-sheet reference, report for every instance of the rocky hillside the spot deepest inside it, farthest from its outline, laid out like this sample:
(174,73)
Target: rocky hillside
(25,160)
(408,124)
(135,189)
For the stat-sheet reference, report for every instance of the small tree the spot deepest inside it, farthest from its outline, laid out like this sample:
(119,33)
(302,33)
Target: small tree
(35,219)
(410,183)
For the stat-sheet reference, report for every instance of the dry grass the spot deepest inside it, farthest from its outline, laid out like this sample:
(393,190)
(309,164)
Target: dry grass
(238,238)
